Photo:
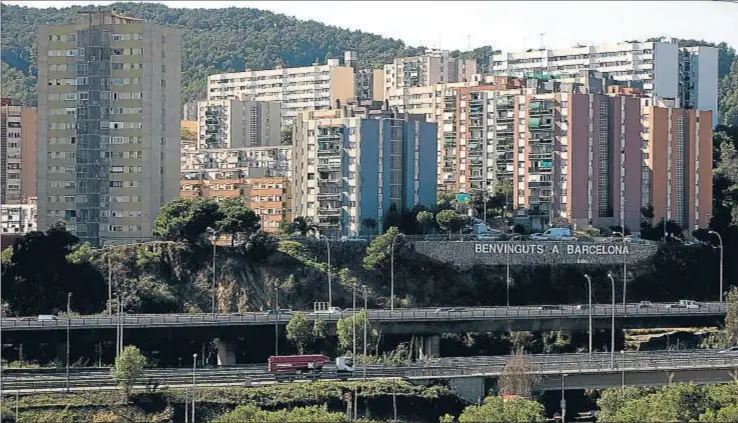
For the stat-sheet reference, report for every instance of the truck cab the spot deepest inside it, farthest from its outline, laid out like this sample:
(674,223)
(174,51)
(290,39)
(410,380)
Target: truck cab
(344,365)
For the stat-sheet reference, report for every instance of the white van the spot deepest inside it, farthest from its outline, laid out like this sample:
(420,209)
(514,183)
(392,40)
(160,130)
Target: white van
(46,317)
(554,234)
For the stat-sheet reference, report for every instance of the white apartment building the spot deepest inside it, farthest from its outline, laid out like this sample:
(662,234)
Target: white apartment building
(109,123)
(688,75)
(305,88)
(238,123)
(18,219)
(434,67)
(236,163)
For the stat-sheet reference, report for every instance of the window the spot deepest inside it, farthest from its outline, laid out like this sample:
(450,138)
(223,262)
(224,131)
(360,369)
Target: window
(116,169)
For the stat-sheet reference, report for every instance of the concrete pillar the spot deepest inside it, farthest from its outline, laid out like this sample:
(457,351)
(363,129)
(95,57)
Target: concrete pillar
(472,389)
(226,352)
(428,346)
(61,353)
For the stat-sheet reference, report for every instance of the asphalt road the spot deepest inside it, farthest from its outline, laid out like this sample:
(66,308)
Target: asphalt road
(551,364)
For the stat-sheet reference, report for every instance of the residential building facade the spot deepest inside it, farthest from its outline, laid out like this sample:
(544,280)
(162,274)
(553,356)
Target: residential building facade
(304,88)
(18,219)
(189,111)
(108,101)
(434,67)
(677,174)
(688,75)
(350,168)
(18,139)
(238,123)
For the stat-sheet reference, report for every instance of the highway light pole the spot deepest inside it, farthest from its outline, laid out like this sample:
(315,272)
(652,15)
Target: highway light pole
(612,327)
(589,310)
(276,321)
(330,285)
(215,234)
(366,324)
(354,321)
(110,282)
(392,272)
(507,275)
(194,384)
(721,263)
(69,322)
(563,400)
(625,268)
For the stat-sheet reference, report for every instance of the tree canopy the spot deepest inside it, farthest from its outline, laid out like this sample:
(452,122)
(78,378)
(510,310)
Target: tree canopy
(214,41)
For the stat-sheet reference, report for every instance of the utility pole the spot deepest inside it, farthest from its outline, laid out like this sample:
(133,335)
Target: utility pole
(215,234)
(194,384)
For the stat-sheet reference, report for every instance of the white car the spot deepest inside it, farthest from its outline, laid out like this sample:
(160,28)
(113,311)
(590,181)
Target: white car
(730,351)
(329,310)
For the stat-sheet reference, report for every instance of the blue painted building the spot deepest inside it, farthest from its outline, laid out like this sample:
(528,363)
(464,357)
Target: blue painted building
(350,165)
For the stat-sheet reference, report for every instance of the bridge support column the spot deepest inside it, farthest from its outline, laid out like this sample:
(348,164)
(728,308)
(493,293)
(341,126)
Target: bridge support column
(226,352)
(428,346)
(472,389)
(61,353)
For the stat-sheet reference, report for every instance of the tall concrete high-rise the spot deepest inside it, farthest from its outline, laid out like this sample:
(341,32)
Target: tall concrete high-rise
(18,139)
(238,123)
(349,167)
(109,117)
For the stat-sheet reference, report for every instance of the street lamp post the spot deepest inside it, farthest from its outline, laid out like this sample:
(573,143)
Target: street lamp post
(507,276)
(622,369)
(110,282)
(625,268)
(721,263)
(589,310)
(366,324)
(69,321)
(392,272)
(215,234)
(563,399)
(354,321)
(330,285)
(612,327)
(276,321)
(194,384)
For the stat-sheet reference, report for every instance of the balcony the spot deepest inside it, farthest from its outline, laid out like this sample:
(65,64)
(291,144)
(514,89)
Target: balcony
(329,211)
(328,165)
(540,108)
(539,124)
(540,155)
(328,151)
(329,182)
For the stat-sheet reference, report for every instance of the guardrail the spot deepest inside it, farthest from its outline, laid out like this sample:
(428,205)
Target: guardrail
(481,313)
(598,364)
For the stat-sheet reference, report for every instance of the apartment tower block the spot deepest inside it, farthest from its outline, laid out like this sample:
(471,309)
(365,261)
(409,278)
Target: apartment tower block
(109,117)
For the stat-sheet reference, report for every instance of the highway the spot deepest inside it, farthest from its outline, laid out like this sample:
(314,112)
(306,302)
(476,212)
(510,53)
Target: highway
(596,368)
(425,316)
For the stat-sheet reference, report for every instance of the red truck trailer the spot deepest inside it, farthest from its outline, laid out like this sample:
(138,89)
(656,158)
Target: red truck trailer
(296,364)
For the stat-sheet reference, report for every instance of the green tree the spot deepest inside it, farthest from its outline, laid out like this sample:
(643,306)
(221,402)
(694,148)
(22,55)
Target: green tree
(613,400)
(391,218)
(285,135)
(679,402)
(496,409)
(370,224)
(728,335)
(129,366)
(345,331)
(299,331)
(303,225)
(252,414)
(235,218)
(449,220)
(186,219)
(379,250)
(285,228)
(320,329)
(425,220)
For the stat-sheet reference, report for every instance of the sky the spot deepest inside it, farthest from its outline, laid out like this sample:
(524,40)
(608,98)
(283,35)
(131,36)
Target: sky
(506,25)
